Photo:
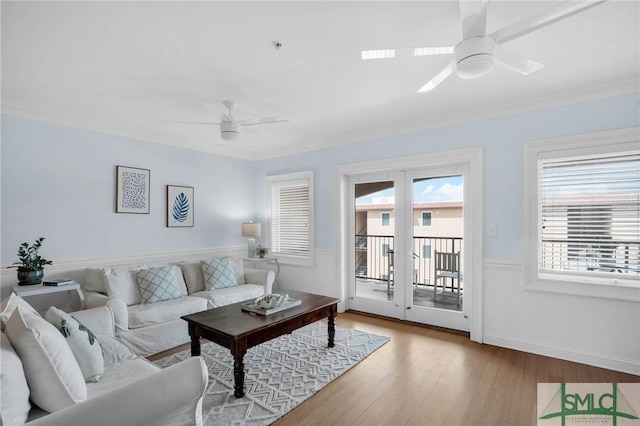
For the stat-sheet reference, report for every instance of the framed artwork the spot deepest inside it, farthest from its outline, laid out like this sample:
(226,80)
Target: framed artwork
(132,190)
(180,206)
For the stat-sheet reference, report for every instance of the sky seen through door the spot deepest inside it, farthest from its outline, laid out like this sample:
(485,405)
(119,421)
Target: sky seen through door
(439,189)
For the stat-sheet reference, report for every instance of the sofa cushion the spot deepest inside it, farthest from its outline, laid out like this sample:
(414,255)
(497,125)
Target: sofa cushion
(158,284)
(114,352)
(168,310)
(10,304)
(14,392)
(94,280)
(182,285)
(121,375)
(238,268)
(192,272)
(218,273)
(83,343)
(52,372)
(121,283)
(229,295)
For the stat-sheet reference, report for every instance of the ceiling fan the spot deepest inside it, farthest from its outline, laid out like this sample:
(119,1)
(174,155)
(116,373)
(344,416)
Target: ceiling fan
(478,51)
(230,128)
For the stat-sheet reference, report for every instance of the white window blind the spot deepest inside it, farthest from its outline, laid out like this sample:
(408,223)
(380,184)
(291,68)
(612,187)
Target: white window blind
(291,218)
(589,215)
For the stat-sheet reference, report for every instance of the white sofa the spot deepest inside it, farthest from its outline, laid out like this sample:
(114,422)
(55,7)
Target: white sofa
(149,328)
(131,391)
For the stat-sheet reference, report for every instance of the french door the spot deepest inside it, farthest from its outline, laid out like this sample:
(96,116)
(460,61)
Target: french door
(409,247)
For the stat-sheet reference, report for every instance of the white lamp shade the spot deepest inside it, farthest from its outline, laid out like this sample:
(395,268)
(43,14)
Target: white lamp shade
(250,229)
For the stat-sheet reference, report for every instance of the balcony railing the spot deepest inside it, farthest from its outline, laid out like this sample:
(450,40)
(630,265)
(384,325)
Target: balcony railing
(374,255)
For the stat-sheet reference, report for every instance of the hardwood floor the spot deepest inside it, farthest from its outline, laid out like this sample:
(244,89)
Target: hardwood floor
(426,376)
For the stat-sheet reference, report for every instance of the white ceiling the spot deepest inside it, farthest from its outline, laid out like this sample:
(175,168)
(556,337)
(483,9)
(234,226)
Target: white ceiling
(128,68)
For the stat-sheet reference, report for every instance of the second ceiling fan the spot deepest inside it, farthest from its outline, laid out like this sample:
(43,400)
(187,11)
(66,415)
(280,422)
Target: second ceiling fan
(230,128)
(479,52)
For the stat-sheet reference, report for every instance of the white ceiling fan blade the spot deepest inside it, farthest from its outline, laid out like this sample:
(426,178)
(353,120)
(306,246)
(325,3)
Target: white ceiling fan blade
(263,120)
(439,78)
(473,16)
(542,19)
(226,115)
(512,61)
(405,51)
(210,123)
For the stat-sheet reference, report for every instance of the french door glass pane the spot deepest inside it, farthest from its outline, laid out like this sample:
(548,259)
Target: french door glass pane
(374,240)
(437,226)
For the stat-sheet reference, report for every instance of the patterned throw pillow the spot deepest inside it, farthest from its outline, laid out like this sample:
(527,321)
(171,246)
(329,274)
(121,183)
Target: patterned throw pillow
(158,284)
(218,273)
(83,343)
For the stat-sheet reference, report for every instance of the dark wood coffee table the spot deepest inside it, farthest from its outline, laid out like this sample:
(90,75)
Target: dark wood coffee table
(237,330)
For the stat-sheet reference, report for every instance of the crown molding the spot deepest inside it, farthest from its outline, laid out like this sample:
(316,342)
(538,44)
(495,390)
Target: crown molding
(606,90)
(576,96)
(19,109)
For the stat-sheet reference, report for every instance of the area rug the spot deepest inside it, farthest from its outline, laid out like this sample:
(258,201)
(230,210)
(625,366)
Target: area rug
(279,374)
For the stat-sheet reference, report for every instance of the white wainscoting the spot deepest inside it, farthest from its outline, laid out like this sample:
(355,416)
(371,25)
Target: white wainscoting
(600,332)
(321,278)
(74,268)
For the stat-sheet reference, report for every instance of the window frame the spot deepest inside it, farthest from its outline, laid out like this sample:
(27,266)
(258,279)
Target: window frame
(283,179)
(624,140)
(384,253)
(422,251)
(382,218)
(430,218)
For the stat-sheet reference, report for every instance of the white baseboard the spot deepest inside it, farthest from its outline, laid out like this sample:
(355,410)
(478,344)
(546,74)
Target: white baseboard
(594,359)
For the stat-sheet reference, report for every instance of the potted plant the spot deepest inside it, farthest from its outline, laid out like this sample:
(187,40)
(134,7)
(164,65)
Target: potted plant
(261,251)
(31,265)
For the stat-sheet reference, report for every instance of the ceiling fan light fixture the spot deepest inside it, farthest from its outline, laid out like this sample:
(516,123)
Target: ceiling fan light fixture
(475,57)
(229,131)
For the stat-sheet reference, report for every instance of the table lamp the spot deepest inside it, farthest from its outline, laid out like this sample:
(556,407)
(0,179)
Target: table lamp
(251,230)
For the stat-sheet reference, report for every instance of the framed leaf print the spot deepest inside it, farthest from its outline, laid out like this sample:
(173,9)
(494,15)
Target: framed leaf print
(132,190)
(180,206)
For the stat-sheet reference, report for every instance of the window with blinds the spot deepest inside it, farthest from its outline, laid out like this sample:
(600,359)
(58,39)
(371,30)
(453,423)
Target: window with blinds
(291,216)
(589,215)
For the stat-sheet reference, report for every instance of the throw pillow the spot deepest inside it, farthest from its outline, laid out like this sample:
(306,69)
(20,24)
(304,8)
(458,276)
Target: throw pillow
(52,372)
(218,273)
(238,267)
(192,272)
(158,284)
(82,341)
(120,283)
(10,304)
(14,392)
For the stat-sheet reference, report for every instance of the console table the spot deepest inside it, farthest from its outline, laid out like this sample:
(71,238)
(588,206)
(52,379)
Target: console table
(40,289)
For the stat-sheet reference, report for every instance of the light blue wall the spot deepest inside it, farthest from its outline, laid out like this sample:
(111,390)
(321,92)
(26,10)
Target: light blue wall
(59,183)
(502,140)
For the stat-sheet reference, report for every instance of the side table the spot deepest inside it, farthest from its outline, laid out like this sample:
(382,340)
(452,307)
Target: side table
(258,263)
(40,289)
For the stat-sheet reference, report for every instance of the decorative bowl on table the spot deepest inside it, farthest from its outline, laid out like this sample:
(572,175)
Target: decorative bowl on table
(271,301)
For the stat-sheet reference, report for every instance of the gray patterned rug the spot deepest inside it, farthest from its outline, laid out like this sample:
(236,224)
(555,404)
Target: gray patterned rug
(279,374)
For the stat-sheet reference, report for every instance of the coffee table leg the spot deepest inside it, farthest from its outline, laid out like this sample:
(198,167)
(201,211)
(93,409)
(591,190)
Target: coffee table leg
(332,326)
(195,341)
(238,351)
(238,376)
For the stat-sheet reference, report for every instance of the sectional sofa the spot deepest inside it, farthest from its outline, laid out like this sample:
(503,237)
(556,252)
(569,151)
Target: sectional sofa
(54,373)
(148,325)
